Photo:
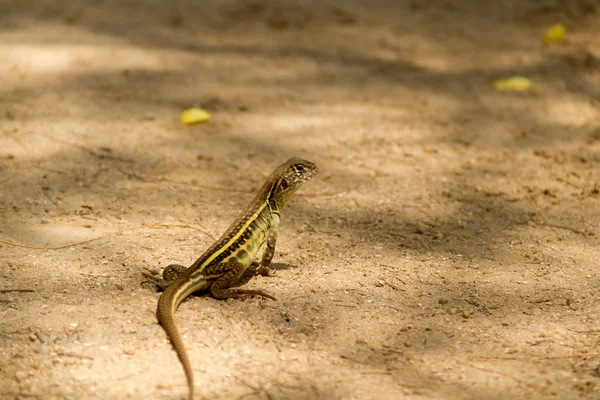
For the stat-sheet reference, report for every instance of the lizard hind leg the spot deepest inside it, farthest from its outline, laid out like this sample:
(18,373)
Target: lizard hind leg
(170,273)
(230,274)
(173,271)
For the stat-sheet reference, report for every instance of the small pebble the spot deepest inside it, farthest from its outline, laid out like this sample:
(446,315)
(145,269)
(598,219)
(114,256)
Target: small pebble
(45,220)
(20,375)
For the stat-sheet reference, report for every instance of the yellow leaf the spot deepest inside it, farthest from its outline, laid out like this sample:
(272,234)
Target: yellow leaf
(513,84)
(555,33)
(194,115)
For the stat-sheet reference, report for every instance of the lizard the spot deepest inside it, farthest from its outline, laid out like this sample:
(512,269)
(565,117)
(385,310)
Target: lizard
(229,262)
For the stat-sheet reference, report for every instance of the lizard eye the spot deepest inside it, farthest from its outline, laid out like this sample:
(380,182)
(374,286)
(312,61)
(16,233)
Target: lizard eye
(299,169)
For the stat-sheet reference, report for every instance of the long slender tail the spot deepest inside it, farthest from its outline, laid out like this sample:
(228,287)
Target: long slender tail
(165,311)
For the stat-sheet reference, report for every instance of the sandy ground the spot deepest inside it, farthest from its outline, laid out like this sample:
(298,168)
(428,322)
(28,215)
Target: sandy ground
(448,248)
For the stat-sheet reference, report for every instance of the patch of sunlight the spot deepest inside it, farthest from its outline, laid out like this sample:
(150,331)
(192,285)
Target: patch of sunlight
(569,111)
(292,122)
(35,59)
(51,59)
(321,117)
(362,110)
(56,234)
(463,52)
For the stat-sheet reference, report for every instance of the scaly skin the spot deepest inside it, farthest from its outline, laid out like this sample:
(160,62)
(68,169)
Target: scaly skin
(228,263)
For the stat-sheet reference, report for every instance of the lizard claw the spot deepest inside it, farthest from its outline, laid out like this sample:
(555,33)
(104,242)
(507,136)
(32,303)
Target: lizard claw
(265,271)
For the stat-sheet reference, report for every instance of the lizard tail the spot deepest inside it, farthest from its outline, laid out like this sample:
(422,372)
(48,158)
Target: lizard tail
(164,312)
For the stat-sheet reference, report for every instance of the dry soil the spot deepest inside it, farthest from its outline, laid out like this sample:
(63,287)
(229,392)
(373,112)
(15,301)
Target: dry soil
(448,248)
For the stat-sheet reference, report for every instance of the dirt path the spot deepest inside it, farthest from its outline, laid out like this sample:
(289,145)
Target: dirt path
(448,249)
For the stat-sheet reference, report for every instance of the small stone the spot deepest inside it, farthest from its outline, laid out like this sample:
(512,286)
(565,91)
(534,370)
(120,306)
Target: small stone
(20,375)
(45,220)
(443,301)
(466,314)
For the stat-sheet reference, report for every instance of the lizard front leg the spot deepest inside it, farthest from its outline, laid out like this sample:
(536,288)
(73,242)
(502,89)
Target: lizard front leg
(263,268)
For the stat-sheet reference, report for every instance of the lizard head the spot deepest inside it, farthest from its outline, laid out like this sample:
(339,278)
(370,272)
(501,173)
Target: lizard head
(289,176)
